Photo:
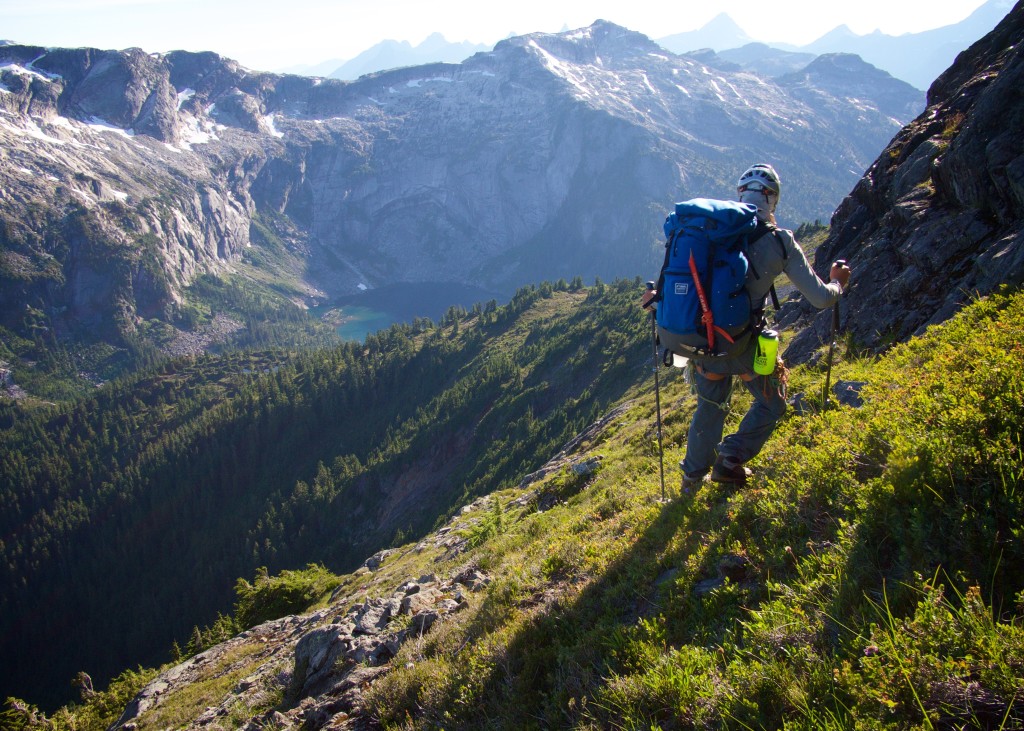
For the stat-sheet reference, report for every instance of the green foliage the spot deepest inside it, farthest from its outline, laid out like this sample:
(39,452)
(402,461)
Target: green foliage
(195,472)
(223,628)
(224,675)
(269,319)
(18,715)
(492,524)
(810,234)
(97,711)
(953,125)
(797,602)
(270,597)
(949,662)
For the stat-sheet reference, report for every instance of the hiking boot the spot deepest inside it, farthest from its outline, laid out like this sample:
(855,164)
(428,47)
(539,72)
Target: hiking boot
(692,483)
(730,471)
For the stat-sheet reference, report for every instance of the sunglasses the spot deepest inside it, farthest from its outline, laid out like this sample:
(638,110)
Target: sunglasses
(757,188)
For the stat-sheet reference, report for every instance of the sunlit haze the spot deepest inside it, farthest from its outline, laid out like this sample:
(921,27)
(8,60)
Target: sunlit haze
(272,35)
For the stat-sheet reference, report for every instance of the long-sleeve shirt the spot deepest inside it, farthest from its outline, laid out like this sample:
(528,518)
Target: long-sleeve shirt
(768,261)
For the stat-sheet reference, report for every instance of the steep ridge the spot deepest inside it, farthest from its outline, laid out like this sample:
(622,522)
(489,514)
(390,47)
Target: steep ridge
(126,175)
(939,217)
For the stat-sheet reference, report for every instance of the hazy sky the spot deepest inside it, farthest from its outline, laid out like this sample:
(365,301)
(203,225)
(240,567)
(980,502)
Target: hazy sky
(275,34)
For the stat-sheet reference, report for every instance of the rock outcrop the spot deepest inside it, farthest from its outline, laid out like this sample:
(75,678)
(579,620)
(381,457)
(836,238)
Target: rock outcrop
(309,671)
(939,217)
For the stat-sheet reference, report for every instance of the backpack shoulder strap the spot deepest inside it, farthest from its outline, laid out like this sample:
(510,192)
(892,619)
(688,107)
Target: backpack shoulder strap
(763,227)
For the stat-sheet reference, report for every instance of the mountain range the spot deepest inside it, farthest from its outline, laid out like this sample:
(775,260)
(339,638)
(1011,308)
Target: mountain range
(128,176)
(391,54)
(916,58)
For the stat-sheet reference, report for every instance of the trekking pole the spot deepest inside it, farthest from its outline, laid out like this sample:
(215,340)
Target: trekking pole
(657,394)
(831,347)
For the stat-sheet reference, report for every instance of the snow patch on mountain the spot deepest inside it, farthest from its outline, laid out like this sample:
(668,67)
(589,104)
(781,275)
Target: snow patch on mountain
(101,125)
(184,95)
(269,123)
(15,68)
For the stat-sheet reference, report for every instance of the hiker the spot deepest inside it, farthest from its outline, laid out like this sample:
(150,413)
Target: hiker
(771,251)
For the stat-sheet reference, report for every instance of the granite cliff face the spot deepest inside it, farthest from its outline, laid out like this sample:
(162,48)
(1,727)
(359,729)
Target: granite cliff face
(938,219)
(107,212)
(124,175)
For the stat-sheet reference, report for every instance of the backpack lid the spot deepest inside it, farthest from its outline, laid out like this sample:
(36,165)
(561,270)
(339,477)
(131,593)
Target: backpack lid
(730,218)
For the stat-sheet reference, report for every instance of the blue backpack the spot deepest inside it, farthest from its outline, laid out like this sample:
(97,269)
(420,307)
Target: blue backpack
(704,309)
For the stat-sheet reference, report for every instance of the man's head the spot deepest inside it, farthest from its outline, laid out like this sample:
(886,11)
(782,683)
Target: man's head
(760,185)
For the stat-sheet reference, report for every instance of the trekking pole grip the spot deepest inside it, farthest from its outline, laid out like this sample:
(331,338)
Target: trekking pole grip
(650,303)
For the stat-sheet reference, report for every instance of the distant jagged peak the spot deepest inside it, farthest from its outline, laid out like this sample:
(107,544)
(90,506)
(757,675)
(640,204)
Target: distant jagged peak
(437,41)
(720,33)
(390,54)
(839,32)
(723,21)
(984,17)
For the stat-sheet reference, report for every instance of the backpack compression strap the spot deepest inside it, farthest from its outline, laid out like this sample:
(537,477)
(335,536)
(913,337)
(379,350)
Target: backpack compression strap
(707,317)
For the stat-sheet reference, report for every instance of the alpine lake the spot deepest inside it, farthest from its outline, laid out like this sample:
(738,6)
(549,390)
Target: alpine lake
(358,315)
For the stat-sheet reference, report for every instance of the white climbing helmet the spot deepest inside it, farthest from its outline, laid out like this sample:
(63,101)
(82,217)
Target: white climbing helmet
(761,186)
(758,177)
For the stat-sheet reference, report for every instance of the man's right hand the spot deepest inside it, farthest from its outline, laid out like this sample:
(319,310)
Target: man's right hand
(840,273)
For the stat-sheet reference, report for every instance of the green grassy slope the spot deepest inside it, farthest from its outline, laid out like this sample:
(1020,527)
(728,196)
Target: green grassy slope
(870,576)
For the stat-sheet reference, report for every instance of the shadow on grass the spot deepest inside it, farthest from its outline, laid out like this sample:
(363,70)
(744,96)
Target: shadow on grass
(553,666)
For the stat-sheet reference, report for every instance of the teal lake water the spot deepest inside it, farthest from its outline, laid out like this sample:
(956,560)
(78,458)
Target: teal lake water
(361,321)
(378,309)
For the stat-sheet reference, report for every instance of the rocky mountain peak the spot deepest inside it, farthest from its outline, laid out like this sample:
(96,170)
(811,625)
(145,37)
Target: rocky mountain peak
(128,89)
(849,75)
(599,43)
(721,32)
(842,63)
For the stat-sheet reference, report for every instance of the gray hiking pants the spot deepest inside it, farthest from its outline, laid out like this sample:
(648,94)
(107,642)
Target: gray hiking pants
(714,392)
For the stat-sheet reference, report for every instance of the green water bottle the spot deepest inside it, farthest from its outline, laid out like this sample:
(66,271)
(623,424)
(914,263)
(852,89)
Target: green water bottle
(767,350)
